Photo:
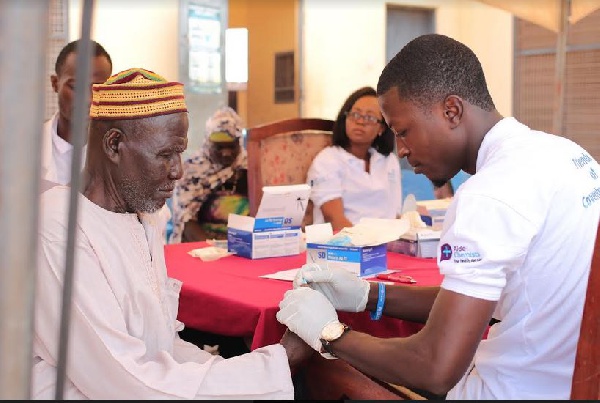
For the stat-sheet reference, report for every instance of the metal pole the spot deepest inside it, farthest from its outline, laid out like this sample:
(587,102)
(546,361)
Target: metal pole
(560,68)
(23,33)
(79,124)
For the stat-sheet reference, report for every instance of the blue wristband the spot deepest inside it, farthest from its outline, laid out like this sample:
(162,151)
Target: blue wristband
(380,302)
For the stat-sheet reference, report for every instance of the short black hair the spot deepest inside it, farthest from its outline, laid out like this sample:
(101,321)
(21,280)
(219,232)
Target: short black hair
(384,144)
(71,47)
(433,66)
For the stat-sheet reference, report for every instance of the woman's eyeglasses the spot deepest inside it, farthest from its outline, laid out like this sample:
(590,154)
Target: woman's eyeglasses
(367,119)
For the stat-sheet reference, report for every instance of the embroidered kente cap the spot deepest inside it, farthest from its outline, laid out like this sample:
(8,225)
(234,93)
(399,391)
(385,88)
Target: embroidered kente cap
(224,126)
(136,93)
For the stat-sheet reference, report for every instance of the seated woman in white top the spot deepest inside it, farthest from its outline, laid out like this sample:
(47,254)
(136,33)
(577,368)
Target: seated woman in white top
(359,174)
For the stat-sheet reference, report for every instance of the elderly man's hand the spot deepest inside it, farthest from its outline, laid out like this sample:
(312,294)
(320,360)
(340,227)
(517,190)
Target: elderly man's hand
(344,289)
(306,312)
(297,350)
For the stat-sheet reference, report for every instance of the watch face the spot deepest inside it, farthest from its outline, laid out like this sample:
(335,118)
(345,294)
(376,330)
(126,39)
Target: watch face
(332,331)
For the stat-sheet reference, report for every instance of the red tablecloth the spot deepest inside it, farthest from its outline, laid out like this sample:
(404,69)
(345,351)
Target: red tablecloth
(227,297)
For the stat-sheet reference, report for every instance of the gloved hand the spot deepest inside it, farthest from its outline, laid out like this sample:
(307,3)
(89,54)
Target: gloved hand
(306,312)
(346,291)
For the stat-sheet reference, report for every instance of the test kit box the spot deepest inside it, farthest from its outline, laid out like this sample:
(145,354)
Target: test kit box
(275,231)
(360,260)
(433,211)
(262,237)
(418,242)
(360,249)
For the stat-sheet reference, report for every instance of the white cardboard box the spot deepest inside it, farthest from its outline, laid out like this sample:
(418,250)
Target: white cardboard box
(433,211)
(275,231)
(419,242)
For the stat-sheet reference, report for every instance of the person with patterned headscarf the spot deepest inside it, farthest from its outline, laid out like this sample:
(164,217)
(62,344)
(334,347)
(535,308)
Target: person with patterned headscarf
(214,182)
(124,338)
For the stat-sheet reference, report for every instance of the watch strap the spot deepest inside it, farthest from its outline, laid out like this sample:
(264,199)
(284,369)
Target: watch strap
(326,350)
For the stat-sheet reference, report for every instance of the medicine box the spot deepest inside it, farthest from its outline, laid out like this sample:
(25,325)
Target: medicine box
(433,211)
(418,242)
(265,237)
(360,260)
(276,229)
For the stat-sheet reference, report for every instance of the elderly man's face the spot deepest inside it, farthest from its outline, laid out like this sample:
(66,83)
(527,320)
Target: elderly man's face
(151,162)
(224,153)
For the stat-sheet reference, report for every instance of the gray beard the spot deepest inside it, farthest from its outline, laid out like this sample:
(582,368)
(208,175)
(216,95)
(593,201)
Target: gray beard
(135,197)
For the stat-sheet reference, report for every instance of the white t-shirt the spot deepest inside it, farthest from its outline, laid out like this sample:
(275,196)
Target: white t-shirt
(336,173)
(123,342)
(57,154)
(521,232)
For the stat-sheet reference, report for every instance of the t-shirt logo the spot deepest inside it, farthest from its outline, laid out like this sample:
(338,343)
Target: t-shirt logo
(445,252)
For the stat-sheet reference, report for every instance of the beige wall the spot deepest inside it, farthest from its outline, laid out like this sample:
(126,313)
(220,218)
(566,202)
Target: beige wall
(272,27)
(145,33)
(238,18)
(136,33)
(344,47)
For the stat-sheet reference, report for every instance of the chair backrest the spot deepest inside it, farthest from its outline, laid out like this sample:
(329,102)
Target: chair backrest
(280,153)
(586,375)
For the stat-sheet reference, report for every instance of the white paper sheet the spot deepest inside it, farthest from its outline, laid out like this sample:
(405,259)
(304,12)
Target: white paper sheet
(287,275)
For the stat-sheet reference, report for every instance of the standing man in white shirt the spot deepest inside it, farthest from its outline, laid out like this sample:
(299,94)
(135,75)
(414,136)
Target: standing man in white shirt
(57,149)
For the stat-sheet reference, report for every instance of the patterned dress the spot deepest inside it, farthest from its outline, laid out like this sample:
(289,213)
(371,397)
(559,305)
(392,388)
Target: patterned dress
(209,190)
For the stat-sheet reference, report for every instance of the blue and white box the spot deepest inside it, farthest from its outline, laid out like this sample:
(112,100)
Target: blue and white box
(418,242)
(433,212)
(360,249)
(275,231)
(360,260)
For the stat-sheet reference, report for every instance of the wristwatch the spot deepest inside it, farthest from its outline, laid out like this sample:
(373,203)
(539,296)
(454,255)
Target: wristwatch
(330,333)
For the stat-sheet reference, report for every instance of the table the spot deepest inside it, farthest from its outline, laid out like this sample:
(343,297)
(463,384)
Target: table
(228,297)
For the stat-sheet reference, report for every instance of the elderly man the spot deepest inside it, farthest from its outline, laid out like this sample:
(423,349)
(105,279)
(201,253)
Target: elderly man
(123,340)
(515,249)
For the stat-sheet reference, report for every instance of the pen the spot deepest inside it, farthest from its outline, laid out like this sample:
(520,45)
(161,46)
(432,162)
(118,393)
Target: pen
(395,277)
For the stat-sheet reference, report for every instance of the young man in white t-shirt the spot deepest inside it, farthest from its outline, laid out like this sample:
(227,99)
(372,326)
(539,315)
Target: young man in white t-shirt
(57,148)
(515,248)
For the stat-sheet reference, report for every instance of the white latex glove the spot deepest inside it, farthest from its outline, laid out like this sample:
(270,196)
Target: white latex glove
(306,312)
(346,291)
(299,280)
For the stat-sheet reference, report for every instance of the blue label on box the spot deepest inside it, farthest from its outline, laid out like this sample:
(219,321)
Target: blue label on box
(374,259)
(239,242)
(273,223)
(343,255)
(268,223)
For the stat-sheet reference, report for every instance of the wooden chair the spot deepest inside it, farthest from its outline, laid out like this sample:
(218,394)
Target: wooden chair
(586,374)
(280,153)
(337,380)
